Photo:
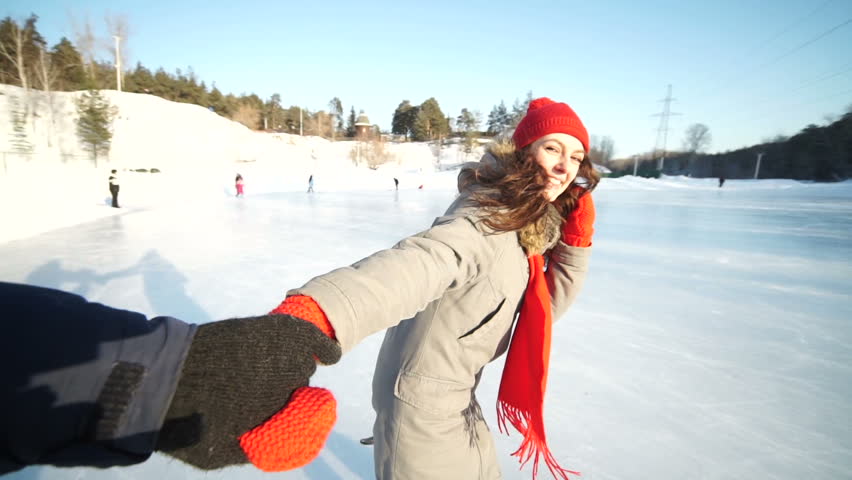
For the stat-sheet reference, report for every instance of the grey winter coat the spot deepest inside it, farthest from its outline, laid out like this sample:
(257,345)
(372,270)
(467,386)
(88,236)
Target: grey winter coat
(448,298)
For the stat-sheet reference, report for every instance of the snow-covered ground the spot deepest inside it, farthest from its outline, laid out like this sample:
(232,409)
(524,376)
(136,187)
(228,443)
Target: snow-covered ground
(712,340)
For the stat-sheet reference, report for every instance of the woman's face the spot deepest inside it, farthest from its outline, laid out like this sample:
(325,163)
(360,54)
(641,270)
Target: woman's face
(560,155)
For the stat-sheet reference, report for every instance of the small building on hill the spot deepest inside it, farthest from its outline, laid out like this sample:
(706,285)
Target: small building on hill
(363,127)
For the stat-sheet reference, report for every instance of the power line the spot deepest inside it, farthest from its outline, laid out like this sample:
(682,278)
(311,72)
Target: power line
(845,69)
(798,21)
(805,44)
(747,73)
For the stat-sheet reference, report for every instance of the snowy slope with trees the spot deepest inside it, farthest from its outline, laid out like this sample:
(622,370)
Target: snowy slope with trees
(47,166)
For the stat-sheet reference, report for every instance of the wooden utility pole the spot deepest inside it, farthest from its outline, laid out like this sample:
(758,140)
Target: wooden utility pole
(117,63)
(757,165)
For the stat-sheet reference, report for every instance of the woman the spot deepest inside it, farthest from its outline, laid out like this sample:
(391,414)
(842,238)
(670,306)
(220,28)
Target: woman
(459,285)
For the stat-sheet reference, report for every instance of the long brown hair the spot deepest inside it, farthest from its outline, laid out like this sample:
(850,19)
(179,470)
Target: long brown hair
(514,186)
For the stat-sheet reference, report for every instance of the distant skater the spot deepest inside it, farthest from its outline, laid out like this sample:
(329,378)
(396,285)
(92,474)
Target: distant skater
(721,181)
(113,188)
(396,183)
(311,184)
(239,183)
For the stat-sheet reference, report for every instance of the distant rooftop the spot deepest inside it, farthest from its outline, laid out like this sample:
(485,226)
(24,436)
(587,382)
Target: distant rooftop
(363,120)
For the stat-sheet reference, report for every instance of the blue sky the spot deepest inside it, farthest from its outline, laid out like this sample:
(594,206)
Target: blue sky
(750,70)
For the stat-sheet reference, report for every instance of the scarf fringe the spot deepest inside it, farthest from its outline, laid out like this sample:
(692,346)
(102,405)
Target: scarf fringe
(534,445)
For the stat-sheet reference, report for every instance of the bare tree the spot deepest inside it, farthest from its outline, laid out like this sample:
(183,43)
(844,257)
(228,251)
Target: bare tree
(18,46)
(602,149)
(12,48)
(697,138)
(46,77)
(248,115)
(321,124)
(607,149)
(86,41)
(373,151)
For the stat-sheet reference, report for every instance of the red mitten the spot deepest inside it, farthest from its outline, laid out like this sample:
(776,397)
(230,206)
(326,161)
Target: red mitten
(579,224)
(294,436)
(304,307)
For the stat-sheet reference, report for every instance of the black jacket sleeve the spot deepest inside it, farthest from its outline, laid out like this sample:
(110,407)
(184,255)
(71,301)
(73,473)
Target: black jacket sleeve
(82,383)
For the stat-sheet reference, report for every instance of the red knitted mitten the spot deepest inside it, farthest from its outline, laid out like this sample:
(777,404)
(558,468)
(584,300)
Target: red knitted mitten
(294,436)
(578,227)
(304,307)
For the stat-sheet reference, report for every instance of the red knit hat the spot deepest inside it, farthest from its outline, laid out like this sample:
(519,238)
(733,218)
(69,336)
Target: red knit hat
(544,116)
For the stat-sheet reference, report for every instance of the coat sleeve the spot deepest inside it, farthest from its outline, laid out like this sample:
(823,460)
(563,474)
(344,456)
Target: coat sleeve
(565,275)
(82,383)
(391,285)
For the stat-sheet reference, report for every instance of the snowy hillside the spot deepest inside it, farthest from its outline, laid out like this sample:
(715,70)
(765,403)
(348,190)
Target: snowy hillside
(197,152)
(149,131)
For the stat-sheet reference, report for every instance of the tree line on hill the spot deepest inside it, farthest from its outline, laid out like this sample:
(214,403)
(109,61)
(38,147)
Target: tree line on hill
(820,153)
(27,61)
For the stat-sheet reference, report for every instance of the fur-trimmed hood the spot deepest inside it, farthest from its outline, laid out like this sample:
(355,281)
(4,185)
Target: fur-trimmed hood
(535,237)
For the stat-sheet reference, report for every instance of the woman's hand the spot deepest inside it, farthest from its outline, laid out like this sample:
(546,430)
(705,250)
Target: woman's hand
(579,224)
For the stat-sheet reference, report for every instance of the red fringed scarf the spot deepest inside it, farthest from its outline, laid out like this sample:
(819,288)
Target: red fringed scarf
(524,381)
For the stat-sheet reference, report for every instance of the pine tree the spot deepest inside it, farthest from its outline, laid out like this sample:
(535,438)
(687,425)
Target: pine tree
(403,119)
(335,108)
(68,63)
(163,83)
(138,80)
(273,112)
(467,121)
(519,109)
(217,101)
(431,123)
(350,123)
(95,123)
(498,119)
(468,124)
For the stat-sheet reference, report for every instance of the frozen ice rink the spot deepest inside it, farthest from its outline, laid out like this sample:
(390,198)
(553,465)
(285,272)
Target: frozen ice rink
(712,340)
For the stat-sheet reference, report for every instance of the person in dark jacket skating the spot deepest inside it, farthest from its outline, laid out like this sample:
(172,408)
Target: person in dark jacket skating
(114,188)
(84,384)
